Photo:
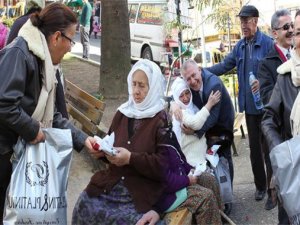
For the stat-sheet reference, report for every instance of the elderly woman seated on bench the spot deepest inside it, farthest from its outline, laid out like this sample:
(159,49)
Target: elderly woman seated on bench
(148,174)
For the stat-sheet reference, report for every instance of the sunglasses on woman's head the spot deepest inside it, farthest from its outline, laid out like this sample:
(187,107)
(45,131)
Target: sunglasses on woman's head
(286,26)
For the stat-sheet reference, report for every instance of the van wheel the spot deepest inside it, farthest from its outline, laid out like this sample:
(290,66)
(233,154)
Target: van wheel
(147,53)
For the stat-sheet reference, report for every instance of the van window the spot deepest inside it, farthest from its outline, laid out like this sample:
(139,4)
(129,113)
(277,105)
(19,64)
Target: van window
(132,10)
(151,14)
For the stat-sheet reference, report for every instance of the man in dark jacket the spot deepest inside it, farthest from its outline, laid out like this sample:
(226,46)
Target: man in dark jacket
(245,56)
(220,122)
(282,29)
(276,123)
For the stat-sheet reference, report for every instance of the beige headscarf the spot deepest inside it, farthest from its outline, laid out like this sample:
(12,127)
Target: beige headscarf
(37,43)
(293,66)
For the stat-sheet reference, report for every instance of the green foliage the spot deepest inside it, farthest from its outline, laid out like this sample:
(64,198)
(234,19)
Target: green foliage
(175,24)
(225,80)
(9,21)
(99,96)
(201,4)
(223,12)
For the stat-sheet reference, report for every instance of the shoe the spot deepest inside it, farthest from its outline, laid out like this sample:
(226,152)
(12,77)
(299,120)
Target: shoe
(270,204)
(259,195)
(228,208)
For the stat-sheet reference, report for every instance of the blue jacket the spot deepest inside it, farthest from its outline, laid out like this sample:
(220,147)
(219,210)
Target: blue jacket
(260,48)
(220,121)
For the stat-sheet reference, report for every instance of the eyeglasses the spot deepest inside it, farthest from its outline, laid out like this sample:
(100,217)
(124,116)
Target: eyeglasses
(246,20)
(286,26)
(71,41)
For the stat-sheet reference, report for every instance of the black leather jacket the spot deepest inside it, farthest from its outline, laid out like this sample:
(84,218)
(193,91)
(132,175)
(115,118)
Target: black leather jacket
(276,120)
(20,86)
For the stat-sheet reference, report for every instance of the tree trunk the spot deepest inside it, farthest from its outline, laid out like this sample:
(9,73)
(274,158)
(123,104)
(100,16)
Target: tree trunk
(115,49)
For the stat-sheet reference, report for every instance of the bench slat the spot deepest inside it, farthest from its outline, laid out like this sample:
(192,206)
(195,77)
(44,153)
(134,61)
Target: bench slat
(238,120)
(84,102)
(87,125)
(181,217)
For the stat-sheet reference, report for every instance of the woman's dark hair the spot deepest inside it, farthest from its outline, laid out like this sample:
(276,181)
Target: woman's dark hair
(33,10)
(54,17)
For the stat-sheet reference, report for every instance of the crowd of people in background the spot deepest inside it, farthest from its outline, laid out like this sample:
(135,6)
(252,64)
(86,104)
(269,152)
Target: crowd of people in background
(152,156)
(89,23)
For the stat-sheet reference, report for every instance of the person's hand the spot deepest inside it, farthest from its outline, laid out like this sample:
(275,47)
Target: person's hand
(39,137)
(187,130)
(213,99)
(150,218)
(193,179)
(175,109)
(89,142)
(255,86)
(121,158)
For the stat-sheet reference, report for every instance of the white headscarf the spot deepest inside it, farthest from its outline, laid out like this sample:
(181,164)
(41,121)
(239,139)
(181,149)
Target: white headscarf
(153,102)
(178,86)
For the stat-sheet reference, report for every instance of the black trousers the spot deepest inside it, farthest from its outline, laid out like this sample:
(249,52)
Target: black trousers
(5,174)
(269,171)
(283,218)
(256,153)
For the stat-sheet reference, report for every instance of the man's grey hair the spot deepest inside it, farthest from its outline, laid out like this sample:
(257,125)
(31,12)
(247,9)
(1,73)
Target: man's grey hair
(277,15)
(186,64)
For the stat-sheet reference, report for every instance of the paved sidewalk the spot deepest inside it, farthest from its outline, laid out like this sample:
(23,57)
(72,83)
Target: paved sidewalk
(245,209)
(95,48)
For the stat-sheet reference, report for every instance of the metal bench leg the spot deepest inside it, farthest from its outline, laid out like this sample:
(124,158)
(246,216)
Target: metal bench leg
(234,149)
(242,131)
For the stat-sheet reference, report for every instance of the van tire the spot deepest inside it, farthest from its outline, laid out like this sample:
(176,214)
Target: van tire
(147,53)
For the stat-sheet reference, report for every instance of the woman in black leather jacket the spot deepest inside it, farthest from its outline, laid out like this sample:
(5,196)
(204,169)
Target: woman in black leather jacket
(28,85)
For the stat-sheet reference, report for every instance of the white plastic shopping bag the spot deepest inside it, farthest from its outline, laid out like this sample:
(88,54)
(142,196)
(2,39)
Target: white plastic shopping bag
(37,191)
(285,159)
(223,176)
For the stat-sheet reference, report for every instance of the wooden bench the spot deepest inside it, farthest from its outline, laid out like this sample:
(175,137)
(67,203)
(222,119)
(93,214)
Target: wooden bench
(86,110)
(238,124)
(184,217)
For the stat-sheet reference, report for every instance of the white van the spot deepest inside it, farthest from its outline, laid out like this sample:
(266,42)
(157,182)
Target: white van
(147,34)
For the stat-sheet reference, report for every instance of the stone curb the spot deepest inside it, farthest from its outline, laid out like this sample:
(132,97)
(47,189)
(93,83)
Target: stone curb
(92,62)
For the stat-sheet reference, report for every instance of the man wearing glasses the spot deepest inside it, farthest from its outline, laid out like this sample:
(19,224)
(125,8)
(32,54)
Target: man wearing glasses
(282,111)
(282,30)
(246,56)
